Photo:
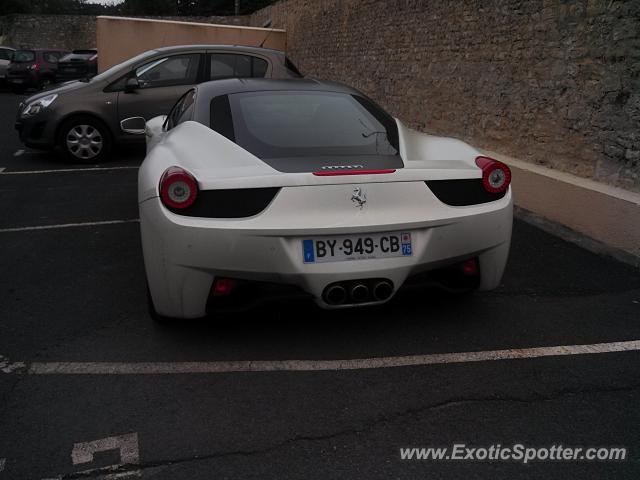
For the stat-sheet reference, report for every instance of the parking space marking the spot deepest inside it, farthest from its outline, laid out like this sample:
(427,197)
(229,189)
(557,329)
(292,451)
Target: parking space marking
(2,169)
(67,225)
(67,170)
(19,152)
(127,445)
(173,368)
(83,454)
(2,463)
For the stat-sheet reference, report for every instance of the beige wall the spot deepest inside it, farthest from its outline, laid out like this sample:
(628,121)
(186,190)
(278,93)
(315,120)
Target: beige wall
(120,38)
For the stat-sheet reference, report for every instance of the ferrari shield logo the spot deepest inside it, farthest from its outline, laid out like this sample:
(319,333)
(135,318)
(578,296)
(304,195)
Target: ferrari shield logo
(359,198)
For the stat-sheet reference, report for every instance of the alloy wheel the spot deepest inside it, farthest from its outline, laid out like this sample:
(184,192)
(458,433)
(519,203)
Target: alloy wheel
(84,142)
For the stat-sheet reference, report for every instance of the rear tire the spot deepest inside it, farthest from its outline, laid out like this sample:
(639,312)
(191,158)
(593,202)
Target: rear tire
(84,139)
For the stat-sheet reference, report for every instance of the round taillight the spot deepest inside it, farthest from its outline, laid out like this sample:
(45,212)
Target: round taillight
(496,176)
(178,188)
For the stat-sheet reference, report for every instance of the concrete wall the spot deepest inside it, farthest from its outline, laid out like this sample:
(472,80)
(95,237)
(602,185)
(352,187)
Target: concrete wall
(552,82)
(121,38)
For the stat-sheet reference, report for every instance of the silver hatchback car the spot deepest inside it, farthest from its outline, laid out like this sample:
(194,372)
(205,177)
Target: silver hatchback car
(82,118)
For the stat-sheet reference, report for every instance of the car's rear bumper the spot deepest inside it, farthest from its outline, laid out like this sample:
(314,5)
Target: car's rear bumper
(183,255)
(22,79)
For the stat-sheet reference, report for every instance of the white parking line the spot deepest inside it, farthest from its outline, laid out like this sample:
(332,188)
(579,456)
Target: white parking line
(172,368)
(67,225)
(2,169)
(67,170)
(19,152)
(2,463)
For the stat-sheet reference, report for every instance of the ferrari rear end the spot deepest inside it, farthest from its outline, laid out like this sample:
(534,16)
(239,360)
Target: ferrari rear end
(220,234)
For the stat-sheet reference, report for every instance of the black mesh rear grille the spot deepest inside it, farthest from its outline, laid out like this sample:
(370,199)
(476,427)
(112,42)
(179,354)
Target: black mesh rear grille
(458,193)
(236,203)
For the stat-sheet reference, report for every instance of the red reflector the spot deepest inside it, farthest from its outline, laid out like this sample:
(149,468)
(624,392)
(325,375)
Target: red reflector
(470,267)
(333,173)
(223,287)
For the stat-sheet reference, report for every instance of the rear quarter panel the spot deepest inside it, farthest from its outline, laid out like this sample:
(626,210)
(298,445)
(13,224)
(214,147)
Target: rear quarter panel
(421,150)
(201,151)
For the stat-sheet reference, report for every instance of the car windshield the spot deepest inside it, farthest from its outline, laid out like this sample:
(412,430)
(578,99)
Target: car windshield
(23,56)
(122,67)
(311,124)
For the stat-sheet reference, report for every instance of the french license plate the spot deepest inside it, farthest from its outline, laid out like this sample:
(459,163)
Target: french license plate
(356,247)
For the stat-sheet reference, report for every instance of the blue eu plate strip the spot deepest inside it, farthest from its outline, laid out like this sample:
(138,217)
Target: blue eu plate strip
(309,255)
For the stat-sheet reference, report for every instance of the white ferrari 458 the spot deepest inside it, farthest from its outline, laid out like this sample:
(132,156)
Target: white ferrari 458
(255,189)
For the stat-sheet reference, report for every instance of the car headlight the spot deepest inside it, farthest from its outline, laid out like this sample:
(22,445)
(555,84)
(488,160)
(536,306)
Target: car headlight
(35,107)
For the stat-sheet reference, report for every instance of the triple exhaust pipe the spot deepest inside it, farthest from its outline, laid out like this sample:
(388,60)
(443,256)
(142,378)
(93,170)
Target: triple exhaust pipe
(358,291)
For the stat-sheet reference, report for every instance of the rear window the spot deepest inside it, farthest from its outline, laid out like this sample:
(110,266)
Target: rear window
(23,56)
(227,65)
(306,124)
(51,57)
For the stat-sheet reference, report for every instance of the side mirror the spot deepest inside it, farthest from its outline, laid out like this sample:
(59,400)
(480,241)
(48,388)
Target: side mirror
(134,125)
(131,85)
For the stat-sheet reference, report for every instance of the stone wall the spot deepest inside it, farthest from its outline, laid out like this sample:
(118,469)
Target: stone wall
(554,82)
(55,31)
(71,31)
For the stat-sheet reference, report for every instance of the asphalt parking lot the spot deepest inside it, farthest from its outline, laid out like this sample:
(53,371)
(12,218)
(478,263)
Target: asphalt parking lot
(88,382)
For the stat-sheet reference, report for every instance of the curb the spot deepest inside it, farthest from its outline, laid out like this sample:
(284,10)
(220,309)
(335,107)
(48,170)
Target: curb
(577,238)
